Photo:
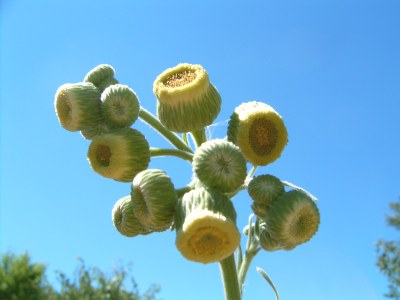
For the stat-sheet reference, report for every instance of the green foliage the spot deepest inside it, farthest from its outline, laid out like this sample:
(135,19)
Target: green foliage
(389,255)
(20,279)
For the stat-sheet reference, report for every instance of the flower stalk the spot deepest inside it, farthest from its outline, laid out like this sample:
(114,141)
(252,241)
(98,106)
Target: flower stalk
(230,278)
(154,152)
(151,120)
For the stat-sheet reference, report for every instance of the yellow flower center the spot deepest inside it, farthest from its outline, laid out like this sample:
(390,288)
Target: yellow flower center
(207,241)
(64,109)
(263,136)
(180,79)
(103,155)
(304,224)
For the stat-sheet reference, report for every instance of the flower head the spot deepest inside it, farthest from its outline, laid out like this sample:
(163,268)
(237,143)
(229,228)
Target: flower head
(264,190)
(154,199)
(187,101)
(78,106)
(219,164)
(259,132)
(119,154)
(101,76)
(120,106)
(205,223)
(124,218)
(293,219)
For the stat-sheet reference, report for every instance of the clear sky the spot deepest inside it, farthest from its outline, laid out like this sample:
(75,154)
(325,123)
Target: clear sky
(330,68)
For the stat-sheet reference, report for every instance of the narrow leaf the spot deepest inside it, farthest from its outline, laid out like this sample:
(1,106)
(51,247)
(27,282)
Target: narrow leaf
(266,277)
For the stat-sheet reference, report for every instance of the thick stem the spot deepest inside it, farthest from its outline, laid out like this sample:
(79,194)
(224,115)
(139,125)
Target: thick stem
(230,278)
(199,136)
(171,152)
(175,140)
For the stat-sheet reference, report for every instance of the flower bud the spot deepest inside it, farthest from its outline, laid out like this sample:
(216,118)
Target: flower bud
(119,154)
(265,189)
(259,132)
(266,241)
(187,101)
(78,106)
(92,132)
(219,164)
(293,219)
(120,106)
(154,198)
(124,218)
(205,223)
(101,76)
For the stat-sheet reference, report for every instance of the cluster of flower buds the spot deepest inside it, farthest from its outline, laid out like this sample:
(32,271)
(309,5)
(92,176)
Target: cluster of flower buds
(202,213)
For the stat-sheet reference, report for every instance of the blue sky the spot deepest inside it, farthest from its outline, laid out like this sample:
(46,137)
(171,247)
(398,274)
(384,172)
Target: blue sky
(330,68)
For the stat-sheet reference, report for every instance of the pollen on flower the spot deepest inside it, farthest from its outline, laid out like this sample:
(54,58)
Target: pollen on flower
(263,136)
(207,241)
(64,108)
(180,79)
(103,155)
(304,223)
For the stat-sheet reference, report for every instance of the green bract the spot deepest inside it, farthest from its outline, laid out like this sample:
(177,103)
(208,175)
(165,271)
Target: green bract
(293,219)
(101,76)
(154,198)
(187,101)
(219,164)
(205,223)
(266,241)
(119,154)
(124,218)
(78,106)
(120,106)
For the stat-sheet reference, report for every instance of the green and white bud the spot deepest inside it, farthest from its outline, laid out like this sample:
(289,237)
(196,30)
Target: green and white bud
(293,219)
(124,218)
(120,106)
(120,154)
(219,164)
(78,106)
(259,132)
(205,223)
(265,189)
(187,101)
(154,198)
(101,76)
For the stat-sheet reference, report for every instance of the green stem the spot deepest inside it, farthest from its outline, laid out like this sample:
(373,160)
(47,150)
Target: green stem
(171,152)
(199,136)
(151,120)
(230,278)
(244,267)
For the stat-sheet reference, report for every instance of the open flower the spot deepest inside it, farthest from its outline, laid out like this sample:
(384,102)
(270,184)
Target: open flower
(205,223)
(293,219)
(124,218)
(78,106)
(219,164)
(154,199)
(101,76)
(120,106)
(187,101)
(259,132)
(119,154)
